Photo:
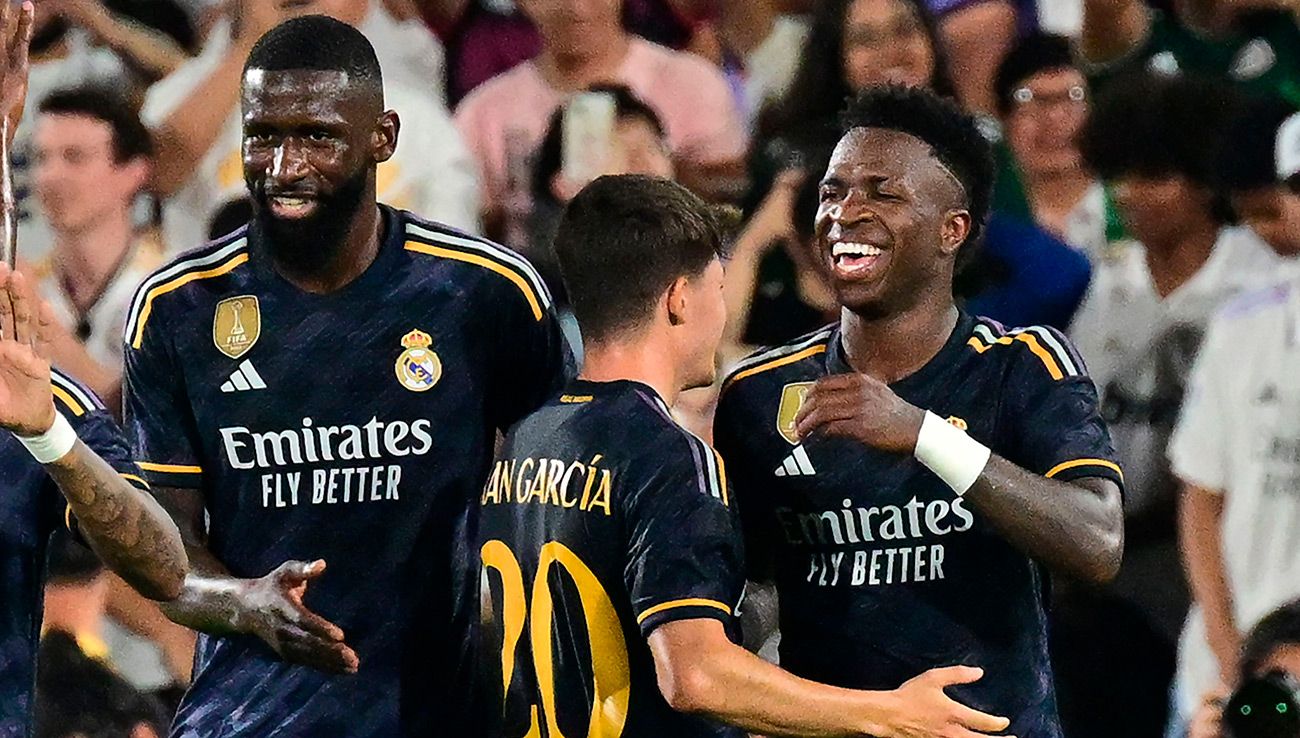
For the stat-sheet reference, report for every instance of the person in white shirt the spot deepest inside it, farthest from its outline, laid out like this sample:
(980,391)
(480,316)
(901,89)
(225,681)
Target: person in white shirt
(92,159)
(1236,448)
(194,116)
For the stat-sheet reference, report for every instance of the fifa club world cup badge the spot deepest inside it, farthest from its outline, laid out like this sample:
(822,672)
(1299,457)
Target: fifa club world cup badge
(418,368)
(236,325)
(792,398)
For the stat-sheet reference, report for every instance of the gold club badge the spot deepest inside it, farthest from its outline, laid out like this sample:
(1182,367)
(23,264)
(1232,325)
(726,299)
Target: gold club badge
(792,398)
(236,325)
(418,368)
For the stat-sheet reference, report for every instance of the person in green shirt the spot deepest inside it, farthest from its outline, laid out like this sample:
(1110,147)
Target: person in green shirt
(1255,44)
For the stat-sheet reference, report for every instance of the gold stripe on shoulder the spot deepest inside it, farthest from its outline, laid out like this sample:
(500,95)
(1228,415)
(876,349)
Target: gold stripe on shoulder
(170,468)
(776,363)
(1076,463)
(486,263)
(66,398)
(1043,354)
(688,602)
(137,334)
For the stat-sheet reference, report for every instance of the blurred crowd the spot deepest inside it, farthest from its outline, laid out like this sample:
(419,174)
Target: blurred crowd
(1142,205)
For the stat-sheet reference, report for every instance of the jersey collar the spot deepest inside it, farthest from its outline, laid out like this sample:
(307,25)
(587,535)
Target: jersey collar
(837,362)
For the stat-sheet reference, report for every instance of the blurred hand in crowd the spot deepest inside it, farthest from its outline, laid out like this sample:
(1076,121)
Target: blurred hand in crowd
(1208,720)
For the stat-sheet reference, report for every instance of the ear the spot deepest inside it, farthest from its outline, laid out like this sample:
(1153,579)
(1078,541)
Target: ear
(139,170)
(676,300)
(384,138)
(955,231)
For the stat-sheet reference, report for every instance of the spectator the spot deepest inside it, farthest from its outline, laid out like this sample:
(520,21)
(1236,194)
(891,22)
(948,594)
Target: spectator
(1246,170)
(1236,450)
(977,35)
(759,49)
(1042,98)
(1271,648)
(92,160)
(1141,324)
(77,692)
(1255,44)
(194,116)
(584,43)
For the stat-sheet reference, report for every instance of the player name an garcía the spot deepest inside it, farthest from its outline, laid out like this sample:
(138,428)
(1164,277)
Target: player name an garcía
(312,444)
(566,484)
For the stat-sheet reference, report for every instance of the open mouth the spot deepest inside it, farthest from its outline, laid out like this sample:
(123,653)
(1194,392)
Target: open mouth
(852,261)
(291,206)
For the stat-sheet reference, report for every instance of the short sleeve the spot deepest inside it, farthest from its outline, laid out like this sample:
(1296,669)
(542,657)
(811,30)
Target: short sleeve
(96,428)
(1197,452)
(157,418)
(758,526)
(684,551)
(1051,412)
(532,359)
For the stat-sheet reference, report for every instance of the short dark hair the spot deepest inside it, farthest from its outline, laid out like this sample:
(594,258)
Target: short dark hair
(318,43)
(623,240)
(1036,53)
(1157,126)
(1279,628)
(131,138)
(952,134)
(1246,155)
(550,154)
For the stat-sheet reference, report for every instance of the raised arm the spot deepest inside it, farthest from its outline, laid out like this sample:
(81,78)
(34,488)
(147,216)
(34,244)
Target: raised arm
(1112,29)
(152,52)
(124,525)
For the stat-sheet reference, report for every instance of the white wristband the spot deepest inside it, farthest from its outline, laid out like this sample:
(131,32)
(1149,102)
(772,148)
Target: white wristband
(54,443)
(953,456)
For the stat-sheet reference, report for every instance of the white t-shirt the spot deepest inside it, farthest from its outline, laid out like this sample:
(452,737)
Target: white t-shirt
(770,67)
(107,318)
(1139,347)
(1239,434)
(1085,225)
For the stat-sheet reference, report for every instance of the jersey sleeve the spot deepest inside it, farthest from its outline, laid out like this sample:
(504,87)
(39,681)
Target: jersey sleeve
(96,428)
(1197,453)
(758,526)
(158,422)
(532,360)
(684,552)
(1051,412)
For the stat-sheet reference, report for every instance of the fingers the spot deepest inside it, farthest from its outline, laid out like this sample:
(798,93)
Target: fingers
(301,647)
(982,722)
(316,625)
(6,306)
(293,573)
(26,22)
(823,409)
(20,300)
(46,327)
(950,675)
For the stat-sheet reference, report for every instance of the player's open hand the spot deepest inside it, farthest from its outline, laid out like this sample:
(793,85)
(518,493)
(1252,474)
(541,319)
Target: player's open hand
(26,404)
(862,408)
(924,710)
(273,611)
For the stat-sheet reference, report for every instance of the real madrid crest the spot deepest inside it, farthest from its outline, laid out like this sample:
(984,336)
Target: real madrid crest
(236,325)
(418,368)
(792,398)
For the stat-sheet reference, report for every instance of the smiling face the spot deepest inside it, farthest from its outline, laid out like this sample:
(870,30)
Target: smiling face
(312,139)
(889,223)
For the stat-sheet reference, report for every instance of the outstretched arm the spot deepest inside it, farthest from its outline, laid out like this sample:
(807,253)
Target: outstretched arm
(125,526)
(1112,28)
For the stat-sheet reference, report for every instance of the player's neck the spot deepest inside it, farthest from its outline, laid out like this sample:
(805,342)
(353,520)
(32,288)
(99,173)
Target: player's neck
(361,244)
(894,347)
(1173,264)
(87,258)
(638,361)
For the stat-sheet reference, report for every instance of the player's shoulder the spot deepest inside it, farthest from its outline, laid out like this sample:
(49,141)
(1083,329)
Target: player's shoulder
(803,357)
(206,269)
(1040,349)
(669,447)
(500,268)
(72,398)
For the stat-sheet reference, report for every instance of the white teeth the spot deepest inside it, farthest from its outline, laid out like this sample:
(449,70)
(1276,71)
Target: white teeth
(854,249)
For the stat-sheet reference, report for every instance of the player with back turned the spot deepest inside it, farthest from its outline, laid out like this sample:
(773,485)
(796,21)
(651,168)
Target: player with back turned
(612,561)
(906,474)
(324,388)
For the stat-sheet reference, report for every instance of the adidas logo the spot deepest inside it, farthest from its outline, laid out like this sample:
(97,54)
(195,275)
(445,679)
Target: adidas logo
(243,379)
(797,464)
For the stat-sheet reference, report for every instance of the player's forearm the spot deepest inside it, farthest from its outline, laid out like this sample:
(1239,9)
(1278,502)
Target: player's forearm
(1076,528)
(1112,28)
(209,602)
(151,52)
(125,526)
(1199,531)
(720,680)
(978,37)
(183,139)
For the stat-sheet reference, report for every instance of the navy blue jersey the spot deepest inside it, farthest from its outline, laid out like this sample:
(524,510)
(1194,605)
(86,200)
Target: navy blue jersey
(602,520)
(31,507)
(883,572)
(355,427)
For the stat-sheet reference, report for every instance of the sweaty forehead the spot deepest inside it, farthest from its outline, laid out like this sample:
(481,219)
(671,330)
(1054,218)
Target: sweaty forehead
(882,152)
(302,91)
